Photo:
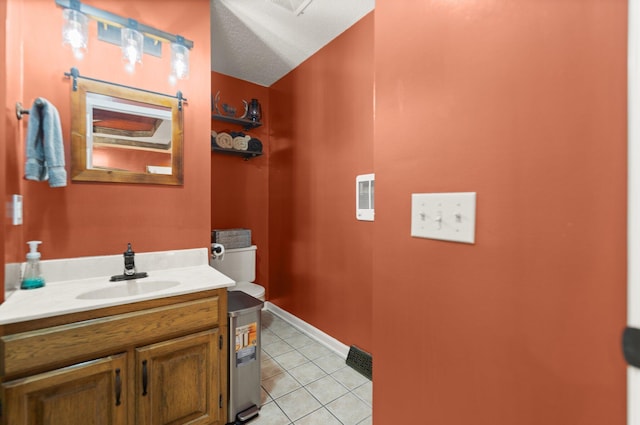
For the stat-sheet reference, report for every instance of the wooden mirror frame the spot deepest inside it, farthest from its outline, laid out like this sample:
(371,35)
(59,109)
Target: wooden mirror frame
(79,170)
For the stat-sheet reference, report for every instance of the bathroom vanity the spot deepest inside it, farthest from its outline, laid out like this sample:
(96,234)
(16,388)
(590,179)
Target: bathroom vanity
(108,355)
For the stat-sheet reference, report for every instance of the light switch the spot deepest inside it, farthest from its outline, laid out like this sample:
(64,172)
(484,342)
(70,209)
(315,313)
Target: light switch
(444,216)
(16,213)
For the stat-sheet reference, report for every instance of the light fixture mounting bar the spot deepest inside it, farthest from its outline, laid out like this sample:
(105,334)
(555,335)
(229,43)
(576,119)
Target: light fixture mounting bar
(111,34)
(112,19)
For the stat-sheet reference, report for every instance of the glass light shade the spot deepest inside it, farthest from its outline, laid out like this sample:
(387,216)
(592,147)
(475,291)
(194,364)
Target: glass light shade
(132,45)
(179,61)
(75,31)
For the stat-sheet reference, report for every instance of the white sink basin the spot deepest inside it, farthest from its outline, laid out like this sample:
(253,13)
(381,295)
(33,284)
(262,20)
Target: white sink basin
(127,289)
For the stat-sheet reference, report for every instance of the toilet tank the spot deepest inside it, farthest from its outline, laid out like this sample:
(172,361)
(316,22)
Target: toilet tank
(238,263)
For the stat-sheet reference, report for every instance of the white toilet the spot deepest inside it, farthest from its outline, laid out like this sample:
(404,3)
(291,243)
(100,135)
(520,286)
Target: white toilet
(240,265)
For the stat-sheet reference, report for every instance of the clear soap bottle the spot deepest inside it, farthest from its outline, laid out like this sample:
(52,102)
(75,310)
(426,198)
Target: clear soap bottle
(32,277)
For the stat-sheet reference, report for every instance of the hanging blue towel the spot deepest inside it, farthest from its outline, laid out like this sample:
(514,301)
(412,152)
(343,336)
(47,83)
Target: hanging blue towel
(45,148)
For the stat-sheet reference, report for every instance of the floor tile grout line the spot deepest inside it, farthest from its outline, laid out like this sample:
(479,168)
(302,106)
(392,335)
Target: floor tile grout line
(319,401)
(274,320)
(304,386)
(319,408)
(308,413)
(322,406)
(326,374)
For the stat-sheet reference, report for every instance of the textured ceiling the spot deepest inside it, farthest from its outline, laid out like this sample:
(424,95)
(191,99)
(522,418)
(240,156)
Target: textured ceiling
(260,41)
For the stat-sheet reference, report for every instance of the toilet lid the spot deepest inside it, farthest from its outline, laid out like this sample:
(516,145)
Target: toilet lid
(252,289)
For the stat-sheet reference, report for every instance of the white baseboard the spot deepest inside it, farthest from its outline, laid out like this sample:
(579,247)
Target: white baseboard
(328,341)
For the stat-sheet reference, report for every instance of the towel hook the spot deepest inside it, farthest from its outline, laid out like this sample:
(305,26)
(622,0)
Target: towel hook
(20,111)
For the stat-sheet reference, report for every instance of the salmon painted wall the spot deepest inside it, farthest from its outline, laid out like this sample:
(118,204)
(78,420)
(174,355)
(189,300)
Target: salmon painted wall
(13,132)
(524,103)
(96,219)
(240,189)
(3,134)
(321,139)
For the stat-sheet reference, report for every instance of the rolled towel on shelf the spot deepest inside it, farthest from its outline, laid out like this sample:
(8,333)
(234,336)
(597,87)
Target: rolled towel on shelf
(224,140)
(213,138)
(255,145)
(240,143)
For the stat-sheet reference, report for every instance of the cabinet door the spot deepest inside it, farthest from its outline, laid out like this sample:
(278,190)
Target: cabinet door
(178,381)
(86,393)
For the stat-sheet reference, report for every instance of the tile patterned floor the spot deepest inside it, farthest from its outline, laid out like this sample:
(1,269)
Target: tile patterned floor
(305,383)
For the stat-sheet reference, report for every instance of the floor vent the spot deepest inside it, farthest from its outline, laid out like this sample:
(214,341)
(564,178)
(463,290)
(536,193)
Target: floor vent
(361,361)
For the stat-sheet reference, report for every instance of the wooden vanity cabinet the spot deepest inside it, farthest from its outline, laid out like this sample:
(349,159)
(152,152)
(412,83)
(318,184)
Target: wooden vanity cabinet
(81,394)
(151,363)
(179,382)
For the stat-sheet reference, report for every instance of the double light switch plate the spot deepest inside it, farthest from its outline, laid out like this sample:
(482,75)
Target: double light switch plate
(444,216)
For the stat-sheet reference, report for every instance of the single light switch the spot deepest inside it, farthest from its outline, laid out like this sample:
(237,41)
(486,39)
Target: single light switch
(444,216)
(17,210)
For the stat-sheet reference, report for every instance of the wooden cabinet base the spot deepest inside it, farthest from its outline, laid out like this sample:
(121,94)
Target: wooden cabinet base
(176,385)
(156,366)
(89,393)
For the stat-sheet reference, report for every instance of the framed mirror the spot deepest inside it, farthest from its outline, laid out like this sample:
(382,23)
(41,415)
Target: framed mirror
(124,135)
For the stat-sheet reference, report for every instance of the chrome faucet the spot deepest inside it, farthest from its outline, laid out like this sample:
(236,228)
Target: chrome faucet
(129,261)
(129,267)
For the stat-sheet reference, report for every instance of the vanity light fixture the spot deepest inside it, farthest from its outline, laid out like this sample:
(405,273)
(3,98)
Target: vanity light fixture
(179,59)
(75,29)
(132,45)
(133,37)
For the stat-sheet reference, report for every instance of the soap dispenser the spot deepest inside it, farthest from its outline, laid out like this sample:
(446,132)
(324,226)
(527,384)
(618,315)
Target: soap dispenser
(32,278)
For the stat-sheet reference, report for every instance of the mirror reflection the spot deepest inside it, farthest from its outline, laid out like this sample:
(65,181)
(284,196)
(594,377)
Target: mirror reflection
(121,134)
(128,135)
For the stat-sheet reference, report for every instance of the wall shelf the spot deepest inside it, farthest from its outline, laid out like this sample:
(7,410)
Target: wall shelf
(246,124)
(245,154)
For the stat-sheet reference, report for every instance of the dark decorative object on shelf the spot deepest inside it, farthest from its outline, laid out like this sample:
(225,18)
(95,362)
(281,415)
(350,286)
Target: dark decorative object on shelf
(229,111)
(254,111)
(250,119)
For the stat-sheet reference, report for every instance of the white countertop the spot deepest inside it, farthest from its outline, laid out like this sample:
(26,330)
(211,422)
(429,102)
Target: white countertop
(66,279)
